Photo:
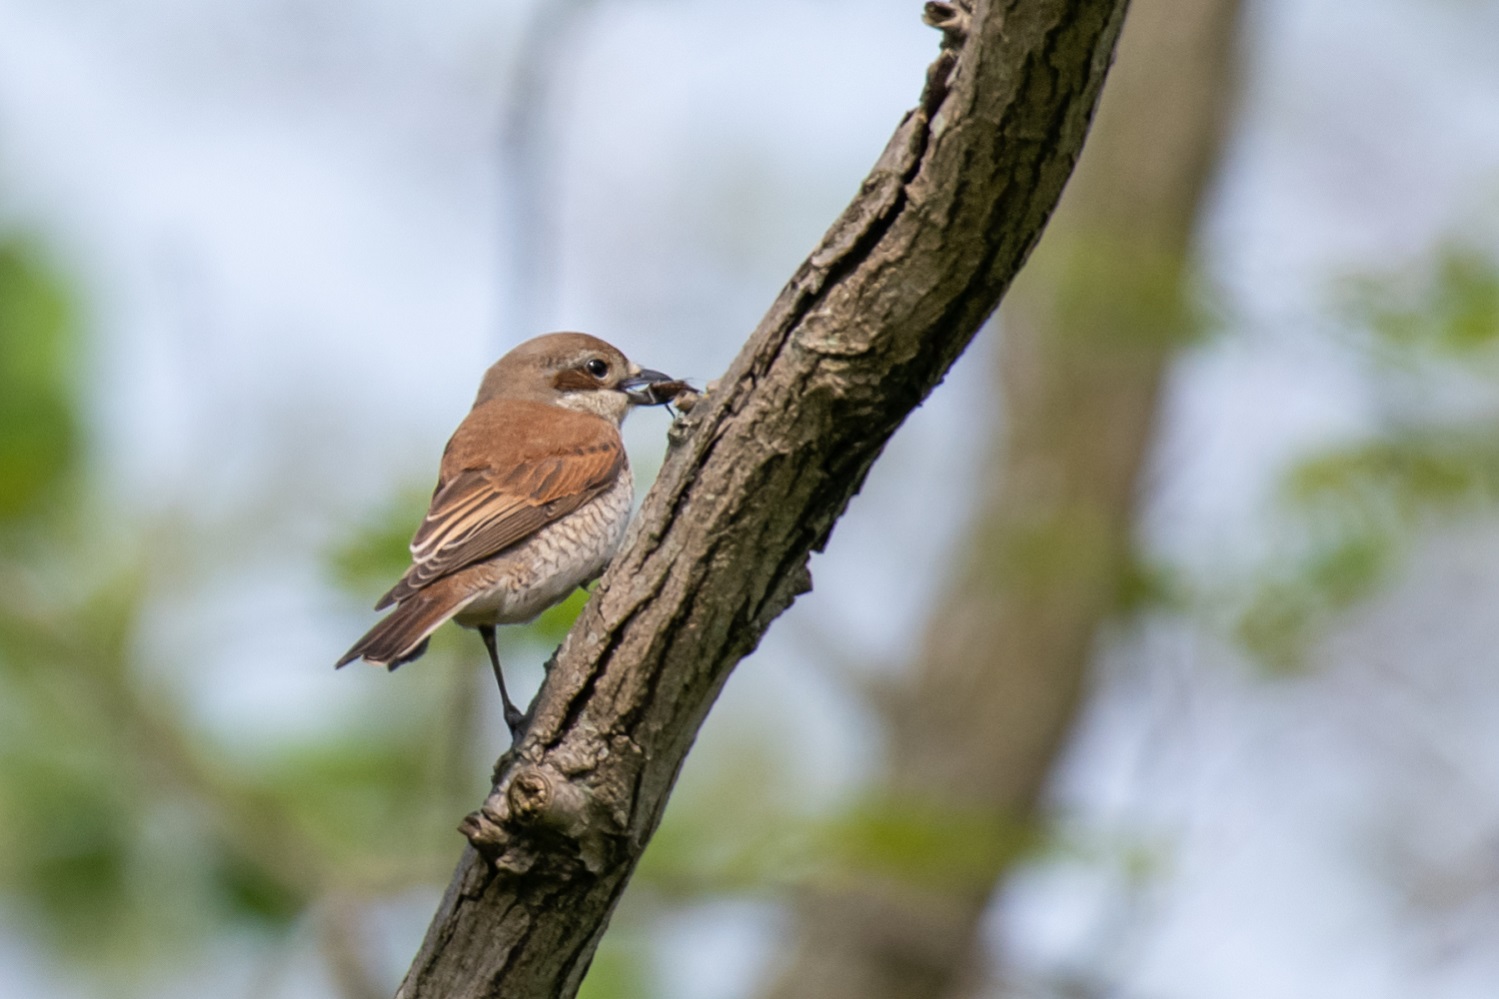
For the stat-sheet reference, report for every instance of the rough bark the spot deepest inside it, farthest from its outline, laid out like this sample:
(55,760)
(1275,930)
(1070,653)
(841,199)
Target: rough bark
(759,473)
(1088,332)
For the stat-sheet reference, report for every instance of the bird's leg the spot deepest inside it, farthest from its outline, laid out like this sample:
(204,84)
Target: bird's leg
(513,716)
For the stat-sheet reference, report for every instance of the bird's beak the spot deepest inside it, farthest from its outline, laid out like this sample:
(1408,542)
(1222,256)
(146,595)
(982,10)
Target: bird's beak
(646,388)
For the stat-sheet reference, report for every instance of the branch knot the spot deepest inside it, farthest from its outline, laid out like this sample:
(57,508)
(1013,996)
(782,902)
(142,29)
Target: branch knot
(952,19)
(539,821)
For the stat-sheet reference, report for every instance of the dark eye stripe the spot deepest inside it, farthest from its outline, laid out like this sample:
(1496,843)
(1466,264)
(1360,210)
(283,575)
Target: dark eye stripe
(573,380)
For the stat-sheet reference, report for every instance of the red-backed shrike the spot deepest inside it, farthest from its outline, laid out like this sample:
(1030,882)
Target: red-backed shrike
(532,498)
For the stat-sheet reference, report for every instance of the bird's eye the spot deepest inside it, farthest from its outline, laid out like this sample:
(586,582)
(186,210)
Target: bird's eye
(598,367)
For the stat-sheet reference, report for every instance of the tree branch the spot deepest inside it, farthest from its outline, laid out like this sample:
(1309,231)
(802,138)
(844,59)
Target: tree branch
(986,709)
(864,330)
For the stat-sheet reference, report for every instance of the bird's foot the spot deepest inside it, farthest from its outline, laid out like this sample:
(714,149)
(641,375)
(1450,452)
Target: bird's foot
(515,720)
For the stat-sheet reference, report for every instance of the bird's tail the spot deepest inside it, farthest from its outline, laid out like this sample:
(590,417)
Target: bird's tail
(402,635)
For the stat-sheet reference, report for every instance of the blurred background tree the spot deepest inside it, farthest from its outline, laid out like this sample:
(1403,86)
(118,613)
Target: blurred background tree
(1228,725)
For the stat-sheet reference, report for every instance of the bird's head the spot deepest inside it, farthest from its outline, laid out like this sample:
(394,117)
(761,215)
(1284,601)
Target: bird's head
(576,371)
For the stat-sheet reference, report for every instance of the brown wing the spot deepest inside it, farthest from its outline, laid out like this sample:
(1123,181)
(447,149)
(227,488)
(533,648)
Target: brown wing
(511,468)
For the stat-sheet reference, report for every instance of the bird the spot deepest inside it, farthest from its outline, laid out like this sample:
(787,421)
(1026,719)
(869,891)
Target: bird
(532,500)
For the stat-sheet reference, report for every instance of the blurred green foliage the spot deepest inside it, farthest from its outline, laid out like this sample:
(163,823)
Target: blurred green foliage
(1146,584)
(619,969)
(742,833)
(936,847)
(128,833)
(39,424)
(1122,297)
(1409,472)
(1359,508)
(1286,611)
(371,557)
(1449,303)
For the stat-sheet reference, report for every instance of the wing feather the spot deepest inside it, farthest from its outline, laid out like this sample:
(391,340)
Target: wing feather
(507,473)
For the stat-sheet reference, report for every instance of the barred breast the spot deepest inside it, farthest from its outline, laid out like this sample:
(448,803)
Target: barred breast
(525,580)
